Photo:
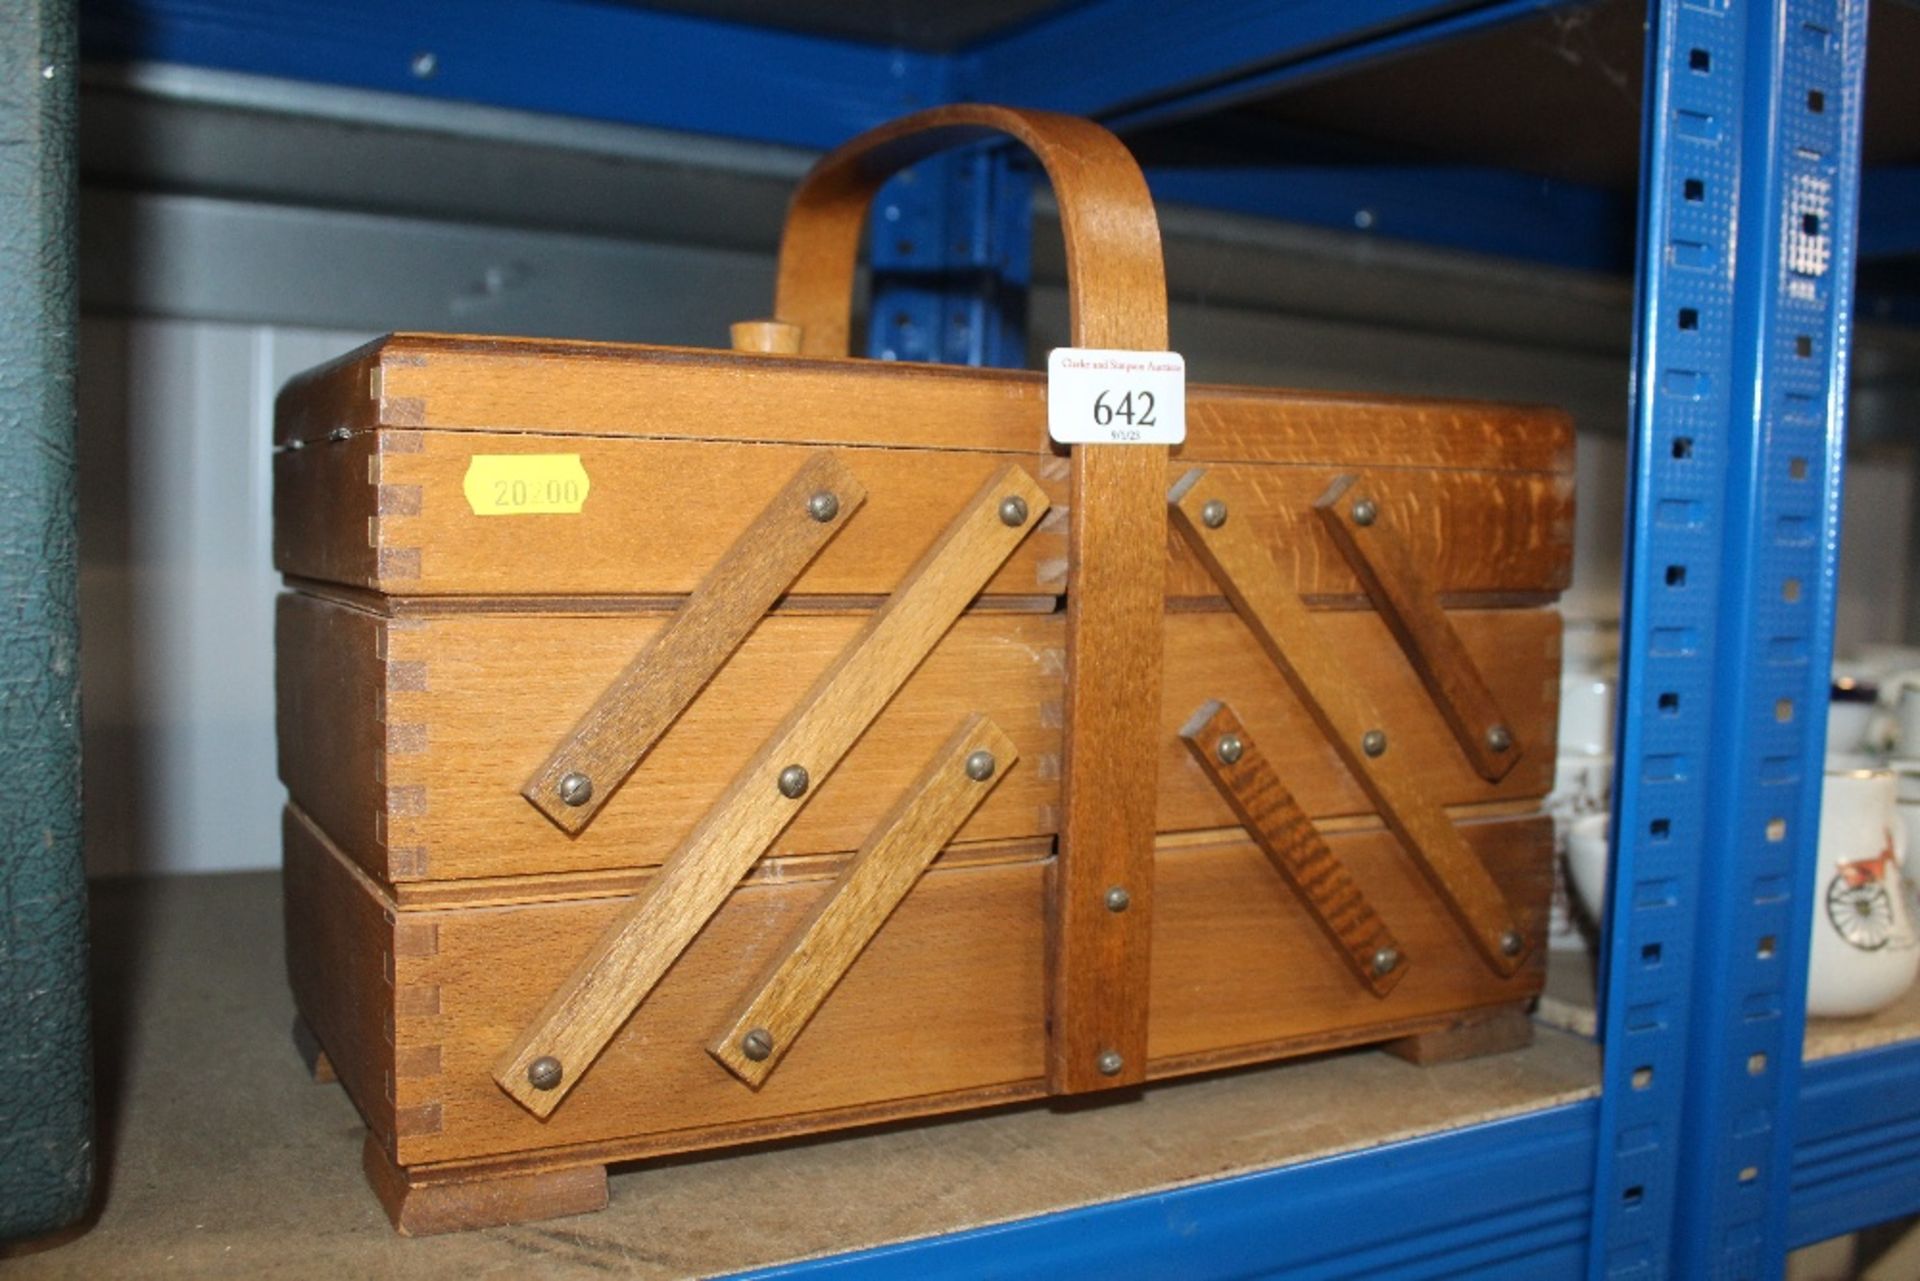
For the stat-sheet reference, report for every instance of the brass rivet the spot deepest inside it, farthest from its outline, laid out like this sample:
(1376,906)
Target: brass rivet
(823,506)
(1214,514)
(1499,738)
(1111,1063)
(793,782)
(1013,510)
(544,1072)
(1364,512)
(1118,900)
(1229,748)
(1511,942)
(1385,960)
(757,1044)
(1373,742)
(980,765)
(576,788)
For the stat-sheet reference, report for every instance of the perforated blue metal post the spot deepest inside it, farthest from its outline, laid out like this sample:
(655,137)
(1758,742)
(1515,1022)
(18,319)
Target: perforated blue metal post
(1749,178)
(951,252)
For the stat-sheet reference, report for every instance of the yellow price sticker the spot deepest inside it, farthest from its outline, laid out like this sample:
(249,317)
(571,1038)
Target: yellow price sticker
(526,485)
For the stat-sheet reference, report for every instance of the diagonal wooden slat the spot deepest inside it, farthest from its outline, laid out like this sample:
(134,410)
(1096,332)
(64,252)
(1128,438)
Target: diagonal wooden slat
(822,949)
(547,1060)
(608,741)
(1203,513)
(1228,755)
(1351,516)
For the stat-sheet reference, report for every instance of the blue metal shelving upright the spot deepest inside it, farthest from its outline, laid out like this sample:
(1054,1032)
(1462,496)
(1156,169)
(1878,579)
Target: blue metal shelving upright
(1750,173)
(1710,1152)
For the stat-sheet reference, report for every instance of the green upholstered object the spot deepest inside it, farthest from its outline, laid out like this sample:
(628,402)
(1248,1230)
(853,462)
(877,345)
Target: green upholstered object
(46,1086)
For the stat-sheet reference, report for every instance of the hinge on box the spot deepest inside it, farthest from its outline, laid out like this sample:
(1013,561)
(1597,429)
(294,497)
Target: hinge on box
(549,1058)
(1413,614)
(823,947)
(1201,509)
(608,741)
(1277,824)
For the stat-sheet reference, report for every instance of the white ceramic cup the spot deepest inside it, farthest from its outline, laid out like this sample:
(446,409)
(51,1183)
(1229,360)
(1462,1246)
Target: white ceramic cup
(1582,787)
(1847,725)
(1906,777)
(1906,714)
(1883,660)
(1587,863)
(1865,953)
(1586,714)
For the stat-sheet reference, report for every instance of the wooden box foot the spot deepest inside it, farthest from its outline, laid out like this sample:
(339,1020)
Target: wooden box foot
(308,1046)
(1472,1037)
(426,1208)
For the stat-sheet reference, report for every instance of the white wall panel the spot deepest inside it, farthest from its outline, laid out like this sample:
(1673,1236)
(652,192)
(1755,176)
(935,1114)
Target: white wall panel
(177,589)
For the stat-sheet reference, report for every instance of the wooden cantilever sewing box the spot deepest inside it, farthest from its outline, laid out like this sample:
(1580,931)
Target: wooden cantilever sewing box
(688,747)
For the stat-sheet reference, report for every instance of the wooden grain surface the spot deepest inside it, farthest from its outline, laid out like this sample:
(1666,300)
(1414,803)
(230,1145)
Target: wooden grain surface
(869,887)
(768,336)
(945,1009)
(1411,608)
(419,1209)
(603,990)
(339,950)
(1276,823)
(1473,1035)
(1098,962)
(586,389)
(1323,678)
(677,662)
(1116,285)
(659,513)
(410,738)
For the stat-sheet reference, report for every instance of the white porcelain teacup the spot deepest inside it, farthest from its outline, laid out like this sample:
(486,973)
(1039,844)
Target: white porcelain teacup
(1587,862)
(1865,953)
(1582,783)
(1900,694)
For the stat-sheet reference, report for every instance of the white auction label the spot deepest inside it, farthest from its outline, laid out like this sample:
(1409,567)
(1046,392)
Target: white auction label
(1099,397)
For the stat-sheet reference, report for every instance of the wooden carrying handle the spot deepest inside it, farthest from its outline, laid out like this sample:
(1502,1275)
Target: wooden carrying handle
(1116,284)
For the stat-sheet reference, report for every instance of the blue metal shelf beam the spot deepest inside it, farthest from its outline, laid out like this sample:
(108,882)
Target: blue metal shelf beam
(1890,212)
(1857,1158)
(1486,211)
(1506,1199)
(1138,61)
(565,57)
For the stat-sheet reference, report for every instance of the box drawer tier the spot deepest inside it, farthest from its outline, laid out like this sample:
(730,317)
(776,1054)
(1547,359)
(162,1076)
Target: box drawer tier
(945,1009)
(670,452)
(409,738)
